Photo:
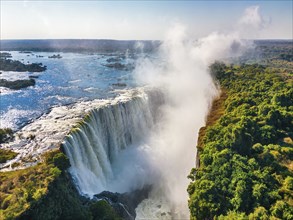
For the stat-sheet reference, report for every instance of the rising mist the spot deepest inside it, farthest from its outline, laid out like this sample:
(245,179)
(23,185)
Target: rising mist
(183,76)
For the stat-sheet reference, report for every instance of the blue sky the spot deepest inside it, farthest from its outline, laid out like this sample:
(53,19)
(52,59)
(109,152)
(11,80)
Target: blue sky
(136,19)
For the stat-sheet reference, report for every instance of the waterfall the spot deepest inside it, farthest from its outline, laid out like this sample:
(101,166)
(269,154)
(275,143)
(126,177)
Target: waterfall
(106,134)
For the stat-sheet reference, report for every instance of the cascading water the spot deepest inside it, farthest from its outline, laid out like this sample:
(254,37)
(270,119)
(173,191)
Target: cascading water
(108,144)
(121,147)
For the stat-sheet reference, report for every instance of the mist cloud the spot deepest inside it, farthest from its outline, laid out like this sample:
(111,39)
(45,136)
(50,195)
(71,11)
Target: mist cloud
(183,75)
(252,17)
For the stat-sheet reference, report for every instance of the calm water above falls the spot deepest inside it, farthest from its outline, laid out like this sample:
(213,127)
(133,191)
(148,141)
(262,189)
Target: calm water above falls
(72,78)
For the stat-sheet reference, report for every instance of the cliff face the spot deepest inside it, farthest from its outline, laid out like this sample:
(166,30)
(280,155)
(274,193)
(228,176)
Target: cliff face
(215,113)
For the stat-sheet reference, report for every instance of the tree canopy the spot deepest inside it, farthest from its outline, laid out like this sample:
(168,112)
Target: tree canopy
(246,155)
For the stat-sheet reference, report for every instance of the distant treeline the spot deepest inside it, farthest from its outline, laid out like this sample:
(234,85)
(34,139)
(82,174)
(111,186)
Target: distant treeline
(268,50)
(102,46)
(276,49)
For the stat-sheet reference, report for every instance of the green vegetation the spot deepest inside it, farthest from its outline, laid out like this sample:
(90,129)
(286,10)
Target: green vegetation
(6,155)
(281,50)
(46,192)
(272,53)
(17,84)
(246,150)
(20,189)
(101,210)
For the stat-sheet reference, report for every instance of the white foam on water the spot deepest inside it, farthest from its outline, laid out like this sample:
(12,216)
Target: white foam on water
(12,75)
(10,118)
(48,131)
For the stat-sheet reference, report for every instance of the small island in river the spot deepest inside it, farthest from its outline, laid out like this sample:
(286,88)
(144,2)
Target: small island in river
(17,84)
(58,56)
(17,66)
(7,64)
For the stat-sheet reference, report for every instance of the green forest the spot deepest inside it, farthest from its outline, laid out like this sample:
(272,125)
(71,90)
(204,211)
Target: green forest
(245,151)
(46,191)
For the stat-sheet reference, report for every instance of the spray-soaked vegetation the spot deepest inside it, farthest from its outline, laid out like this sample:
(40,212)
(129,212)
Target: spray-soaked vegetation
(246,154)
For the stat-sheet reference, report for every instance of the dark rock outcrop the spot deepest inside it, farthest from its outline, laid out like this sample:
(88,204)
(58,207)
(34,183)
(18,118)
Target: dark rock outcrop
(58,56)
(113,59)
(125,203)
(120,66)
(119,84)
(17,84)
(17,66)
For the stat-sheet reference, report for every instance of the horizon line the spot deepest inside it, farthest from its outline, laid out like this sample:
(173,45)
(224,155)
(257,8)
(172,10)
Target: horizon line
(110,39)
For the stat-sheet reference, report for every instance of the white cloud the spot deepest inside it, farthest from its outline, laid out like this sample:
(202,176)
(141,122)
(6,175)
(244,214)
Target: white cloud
(252,17)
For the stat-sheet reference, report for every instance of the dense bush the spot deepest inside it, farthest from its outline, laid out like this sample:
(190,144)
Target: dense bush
(6,155)
(101,210)
(46,192)
(246,155)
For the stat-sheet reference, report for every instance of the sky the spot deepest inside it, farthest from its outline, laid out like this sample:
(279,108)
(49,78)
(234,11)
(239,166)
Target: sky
(138,20)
